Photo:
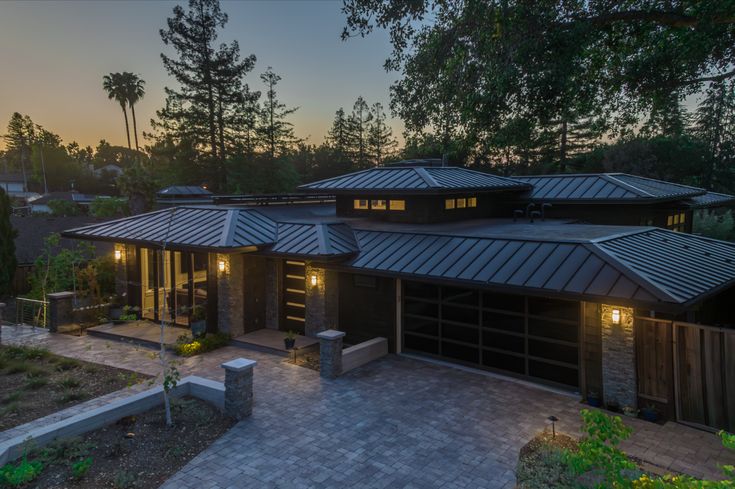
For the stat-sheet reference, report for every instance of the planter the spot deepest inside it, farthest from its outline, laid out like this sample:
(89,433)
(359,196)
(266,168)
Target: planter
(289,343)
(649,415)
(198,328)
(594,400)
(115,313)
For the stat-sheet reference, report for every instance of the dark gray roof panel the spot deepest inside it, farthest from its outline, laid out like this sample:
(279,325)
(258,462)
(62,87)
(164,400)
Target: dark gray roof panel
(200,227)
(605,187)
(711,199)
(413,179)
(315,240)
(181,190)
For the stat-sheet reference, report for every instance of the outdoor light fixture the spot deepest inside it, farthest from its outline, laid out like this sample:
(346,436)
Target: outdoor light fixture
(221,265)
(616,316)
(553,420)
(118,255)
(313,280)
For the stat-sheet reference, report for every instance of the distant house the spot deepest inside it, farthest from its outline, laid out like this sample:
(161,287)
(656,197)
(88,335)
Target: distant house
(40,205)
(12,183)
(182,195)
(32,231)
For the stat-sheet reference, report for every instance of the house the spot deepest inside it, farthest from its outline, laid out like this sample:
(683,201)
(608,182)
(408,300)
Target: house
(82,201)
(12,183)
(587,283)
(182,195)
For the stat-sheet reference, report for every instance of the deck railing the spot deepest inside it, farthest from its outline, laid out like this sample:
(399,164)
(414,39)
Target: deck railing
(31,311)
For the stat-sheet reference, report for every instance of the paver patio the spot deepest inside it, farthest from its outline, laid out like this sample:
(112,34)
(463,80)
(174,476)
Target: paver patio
(397,422)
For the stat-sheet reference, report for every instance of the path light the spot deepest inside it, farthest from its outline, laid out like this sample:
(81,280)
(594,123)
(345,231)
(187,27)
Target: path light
(616,316)
(553,420)
(221,265)
(118,255)
(313,280)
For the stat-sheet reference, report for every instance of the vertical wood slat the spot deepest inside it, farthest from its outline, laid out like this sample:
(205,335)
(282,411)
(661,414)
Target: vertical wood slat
(654,362)
(713,378)
(729,379)
(691,389)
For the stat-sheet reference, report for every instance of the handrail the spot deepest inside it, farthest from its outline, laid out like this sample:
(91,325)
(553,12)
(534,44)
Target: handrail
(31,311)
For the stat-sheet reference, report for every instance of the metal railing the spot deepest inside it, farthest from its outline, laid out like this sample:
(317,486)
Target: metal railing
(31,311)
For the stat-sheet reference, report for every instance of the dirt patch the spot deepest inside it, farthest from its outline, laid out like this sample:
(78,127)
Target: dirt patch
(136,452)
(35,383)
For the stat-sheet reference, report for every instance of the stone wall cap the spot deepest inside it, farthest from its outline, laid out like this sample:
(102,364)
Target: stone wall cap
(59,295)
(330,334)
(239,364)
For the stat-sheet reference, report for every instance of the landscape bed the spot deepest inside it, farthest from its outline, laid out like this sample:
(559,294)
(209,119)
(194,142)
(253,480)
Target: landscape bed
(35,383)
(136,452)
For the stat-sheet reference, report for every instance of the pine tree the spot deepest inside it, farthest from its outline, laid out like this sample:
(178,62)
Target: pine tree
(7,246)
(277,133)
(358,125)
(714,124)
(210,76)
(247,119)
(19,139)
(337,136)
(381,143)
(668,117)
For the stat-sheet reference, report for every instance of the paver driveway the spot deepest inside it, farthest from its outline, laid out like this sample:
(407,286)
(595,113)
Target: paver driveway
(397,422)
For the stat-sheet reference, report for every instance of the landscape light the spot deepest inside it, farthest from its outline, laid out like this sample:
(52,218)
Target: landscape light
(616,316)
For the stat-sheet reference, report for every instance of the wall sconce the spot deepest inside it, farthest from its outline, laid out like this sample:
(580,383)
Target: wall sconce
(313,280)
(118,255)
(221,265)
(615,316)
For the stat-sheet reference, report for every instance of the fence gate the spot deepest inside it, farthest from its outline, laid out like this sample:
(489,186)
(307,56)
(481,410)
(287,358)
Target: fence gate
(655,364)
(704,371)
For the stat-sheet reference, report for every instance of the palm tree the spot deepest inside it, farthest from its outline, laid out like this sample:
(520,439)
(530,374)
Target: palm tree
(135,90)
(115,87)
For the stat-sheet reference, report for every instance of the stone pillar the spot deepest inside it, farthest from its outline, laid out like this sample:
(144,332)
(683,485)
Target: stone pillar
(322,300)
(330,353)
(619,379)
(272,294)
(231,296)
(60,308)
(239,387)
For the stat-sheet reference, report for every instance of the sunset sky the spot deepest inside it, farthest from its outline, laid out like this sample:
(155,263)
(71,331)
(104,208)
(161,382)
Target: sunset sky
(54,55)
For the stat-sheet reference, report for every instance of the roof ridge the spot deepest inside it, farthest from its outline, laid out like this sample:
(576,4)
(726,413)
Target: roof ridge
(613,179)
(426,177)
(664,181)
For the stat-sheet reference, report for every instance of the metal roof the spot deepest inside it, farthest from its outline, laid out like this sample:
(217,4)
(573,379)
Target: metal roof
(415,179)
(315,240)
(180,190)
(605,187)
(191,227)
(649,265)
(711,199)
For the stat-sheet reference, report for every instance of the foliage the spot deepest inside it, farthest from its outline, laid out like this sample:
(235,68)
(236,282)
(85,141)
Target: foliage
(79,469)
(187,347)
(129,314)
(276,132)
(545,469)
(63,207)
(115,84)
(598,450)
(12,475)
(7,246)
(108,207)
(715,225)
(139,185)
(198,313)
(171,377)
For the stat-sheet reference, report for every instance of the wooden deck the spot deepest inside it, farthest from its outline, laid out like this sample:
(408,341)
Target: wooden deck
(145,333)
(271,341)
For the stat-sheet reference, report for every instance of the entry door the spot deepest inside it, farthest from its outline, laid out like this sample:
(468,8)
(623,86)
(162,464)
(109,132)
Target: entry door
(294,295)
(254,290)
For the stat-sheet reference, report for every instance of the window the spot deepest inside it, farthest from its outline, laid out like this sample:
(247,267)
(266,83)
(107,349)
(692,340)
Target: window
(449,204)
(398,205)
(461,203)
(472,202)
(675,222)
(361,204)
(378,205)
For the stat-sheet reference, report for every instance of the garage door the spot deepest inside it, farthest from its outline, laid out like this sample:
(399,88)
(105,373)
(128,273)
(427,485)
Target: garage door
(534,338)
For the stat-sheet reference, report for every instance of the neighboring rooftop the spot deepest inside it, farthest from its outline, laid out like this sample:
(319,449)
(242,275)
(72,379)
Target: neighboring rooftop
(711,199)
(183,190)
(415,179)
(11,178)
(605,187)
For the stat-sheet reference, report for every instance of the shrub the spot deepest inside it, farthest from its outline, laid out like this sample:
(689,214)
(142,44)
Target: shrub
(69,383)
(187,347)
(79,469)
(21,474)
(108,207)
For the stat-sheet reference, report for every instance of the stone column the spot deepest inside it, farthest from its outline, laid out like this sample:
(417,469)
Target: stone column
(60,309)
(239,387)
(322,300)
(619,378)
(330,353)
(231,296)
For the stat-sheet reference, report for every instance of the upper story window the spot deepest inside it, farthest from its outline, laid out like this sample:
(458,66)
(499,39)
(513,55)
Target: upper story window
(460,203)
(378,205)
(676,222)
(361,204)
(398,205)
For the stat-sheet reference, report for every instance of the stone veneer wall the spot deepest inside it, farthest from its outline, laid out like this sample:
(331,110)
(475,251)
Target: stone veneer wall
(272,293)
(231,297)
(322,300)
(618,358)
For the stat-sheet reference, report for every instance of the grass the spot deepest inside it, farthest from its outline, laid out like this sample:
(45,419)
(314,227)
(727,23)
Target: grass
(34,383)
(69,383)
(70,396)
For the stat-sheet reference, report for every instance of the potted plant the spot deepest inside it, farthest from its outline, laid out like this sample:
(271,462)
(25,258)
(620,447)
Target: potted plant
(630,411)
(198,321)
(290,340)
(650,413)
(593,398)
(128,314)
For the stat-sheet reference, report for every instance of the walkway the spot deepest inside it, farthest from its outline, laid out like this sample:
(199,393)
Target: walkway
(397,422)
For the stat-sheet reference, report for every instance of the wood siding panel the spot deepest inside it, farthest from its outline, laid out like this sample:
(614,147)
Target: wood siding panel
(691,388)
(592,347)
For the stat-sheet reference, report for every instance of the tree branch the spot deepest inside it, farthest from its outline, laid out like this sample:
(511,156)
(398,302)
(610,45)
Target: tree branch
(672,19)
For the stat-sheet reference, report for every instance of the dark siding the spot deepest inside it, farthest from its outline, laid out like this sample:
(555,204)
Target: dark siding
(592,348)
(212,295)
(132,254)
(367,312)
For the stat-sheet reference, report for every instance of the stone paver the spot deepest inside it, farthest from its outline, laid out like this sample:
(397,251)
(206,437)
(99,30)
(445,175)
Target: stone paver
(396,422)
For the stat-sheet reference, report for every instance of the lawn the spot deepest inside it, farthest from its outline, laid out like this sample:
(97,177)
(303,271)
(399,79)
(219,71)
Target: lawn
(35,383)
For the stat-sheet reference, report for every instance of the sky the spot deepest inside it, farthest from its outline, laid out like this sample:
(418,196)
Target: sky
(53,55)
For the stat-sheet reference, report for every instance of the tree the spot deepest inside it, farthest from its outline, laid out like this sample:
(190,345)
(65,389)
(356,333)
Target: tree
(381,143)
(247,118)
(714,124)
(139,185)
(117,89)
(276,132)
(19,139)
(7,246)
(358,125)
(209,77)
(134,88)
